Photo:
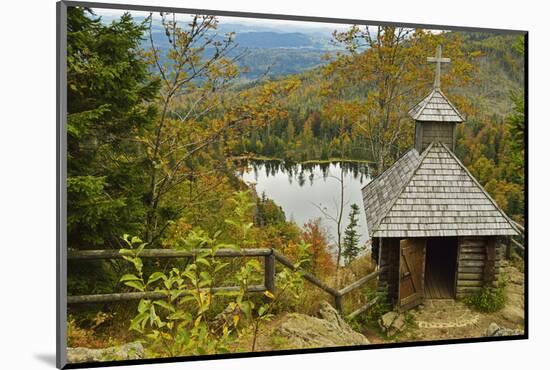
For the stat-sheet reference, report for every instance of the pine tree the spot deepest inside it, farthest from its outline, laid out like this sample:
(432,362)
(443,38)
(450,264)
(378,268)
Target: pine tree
(351,237)
(109,95)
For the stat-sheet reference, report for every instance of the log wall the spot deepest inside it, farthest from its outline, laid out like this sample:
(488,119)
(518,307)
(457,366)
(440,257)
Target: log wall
(478,264)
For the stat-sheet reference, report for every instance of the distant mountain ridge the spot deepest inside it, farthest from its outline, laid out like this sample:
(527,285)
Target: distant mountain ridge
(266,40)
(267,50)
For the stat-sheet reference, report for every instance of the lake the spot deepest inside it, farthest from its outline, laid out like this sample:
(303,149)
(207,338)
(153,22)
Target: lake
(301,188)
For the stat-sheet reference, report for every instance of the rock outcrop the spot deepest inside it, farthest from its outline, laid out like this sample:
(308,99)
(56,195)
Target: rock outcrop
(327,330)
(514,310)
(128,351)
(496,331)
(392,323)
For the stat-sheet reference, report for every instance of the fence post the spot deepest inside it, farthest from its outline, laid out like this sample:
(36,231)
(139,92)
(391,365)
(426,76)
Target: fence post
(508,249)
(338,303)
(269,273)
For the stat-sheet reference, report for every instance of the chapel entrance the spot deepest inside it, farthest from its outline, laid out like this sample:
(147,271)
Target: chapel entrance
(440,273)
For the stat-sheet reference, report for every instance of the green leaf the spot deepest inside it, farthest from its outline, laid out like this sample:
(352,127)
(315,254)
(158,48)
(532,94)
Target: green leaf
(175,293)
(220,266)
(140,248)
(128,277)
(154,335)
(135,284)
(231,222)
(245,307)
(156,276)
(261,311)
(187,298)
(206,277)
(137,322)
(165,305)
(203,261)
(138,264)
(191,275)
(143,305)
(185,317)
(126,252)
(183,336)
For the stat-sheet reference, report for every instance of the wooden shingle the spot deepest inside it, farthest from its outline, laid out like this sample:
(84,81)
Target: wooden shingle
(431,195)
(379,194)
(436,108)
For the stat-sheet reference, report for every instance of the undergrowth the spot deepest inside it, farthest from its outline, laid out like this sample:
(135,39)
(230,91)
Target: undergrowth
(487,299)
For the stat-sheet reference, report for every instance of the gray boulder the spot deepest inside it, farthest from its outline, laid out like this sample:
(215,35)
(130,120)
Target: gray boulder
(128,351)
(327,330)
(392,323)
(496,331)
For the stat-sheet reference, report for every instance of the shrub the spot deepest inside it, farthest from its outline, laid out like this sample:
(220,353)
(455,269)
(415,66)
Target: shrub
(381,307)
(186,321)
(487,299)
(370,317)
(78,336)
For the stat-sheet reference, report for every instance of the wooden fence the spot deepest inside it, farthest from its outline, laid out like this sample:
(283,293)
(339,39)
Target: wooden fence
(517,243)
(271,256)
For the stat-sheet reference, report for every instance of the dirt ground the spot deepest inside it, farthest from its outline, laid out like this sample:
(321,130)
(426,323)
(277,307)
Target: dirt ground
(436,319)
(440,319)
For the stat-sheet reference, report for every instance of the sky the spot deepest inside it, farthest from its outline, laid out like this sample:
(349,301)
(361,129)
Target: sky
(272,24)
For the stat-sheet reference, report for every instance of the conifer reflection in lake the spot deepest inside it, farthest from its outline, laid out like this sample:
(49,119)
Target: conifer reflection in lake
(298,188)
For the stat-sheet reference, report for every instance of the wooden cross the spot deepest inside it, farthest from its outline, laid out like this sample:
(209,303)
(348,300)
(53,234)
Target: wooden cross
(438,60)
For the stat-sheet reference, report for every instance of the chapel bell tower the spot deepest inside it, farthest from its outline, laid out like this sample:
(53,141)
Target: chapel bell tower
(436,117)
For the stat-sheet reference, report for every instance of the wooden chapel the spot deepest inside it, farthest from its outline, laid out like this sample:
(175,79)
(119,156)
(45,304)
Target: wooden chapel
(438,232)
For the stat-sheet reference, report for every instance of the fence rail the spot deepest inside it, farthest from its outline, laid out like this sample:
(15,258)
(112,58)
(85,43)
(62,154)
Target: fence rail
(271,256)
(516,243)
(165,253)
(116,297)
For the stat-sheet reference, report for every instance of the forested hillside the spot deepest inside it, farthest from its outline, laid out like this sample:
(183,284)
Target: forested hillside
(322,128)
(162,118)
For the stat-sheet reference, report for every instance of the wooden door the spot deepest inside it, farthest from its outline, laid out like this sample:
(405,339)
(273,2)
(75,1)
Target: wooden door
(412,261)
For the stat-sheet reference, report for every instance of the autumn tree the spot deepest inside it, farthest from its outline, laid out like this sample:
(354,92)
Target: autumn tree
(198,116)
(516,126)
(386,69)
(492,146)
(321,261)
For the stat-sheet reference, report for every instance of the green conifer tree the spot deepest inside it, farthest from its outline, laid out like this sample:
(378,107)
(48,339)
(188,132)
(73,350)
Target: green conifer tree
(351,237)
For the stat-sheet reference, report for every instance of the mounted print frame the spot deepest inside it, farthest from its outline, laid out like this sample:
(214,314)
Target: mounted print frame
(236,184)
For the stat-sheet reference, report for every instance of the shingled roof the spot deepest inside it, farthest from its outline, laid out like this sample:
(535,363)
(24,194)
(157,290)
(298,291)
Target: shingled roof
(436,108)
(380,192)
(431,195)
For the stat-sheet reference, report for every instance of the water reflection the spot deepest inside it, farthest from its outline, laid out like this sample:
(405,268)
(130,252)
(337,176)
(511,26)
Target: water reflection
(300,189)
(298,171)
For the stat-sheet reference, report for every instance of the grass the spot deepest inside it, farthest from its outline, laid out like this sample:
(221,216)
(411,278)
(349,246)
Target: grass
(279,342)
(369,319)
(517,261)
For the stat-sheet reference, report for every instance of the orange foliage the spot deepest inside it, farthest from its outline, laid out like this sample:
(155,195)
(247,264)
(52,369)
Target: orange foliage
(321,262)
